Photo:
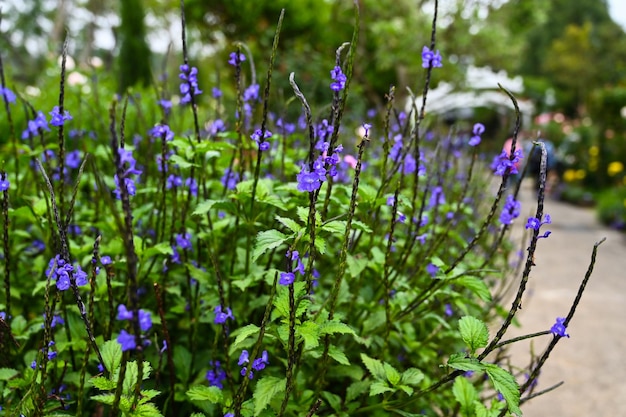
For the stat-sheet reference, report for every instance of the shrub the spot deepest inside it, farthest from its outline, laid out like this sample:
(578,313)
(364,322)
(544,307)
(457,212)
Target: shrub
(167,260)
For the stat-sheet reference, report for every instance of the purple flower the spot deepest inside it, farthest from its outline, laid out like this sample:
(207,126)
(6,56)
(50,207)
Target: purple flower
(189,85)
(127,341)
(173,181)
(221,316)
(430,58)
(432,269)
(558,328)
(503,163)
(106,260)
(216,375)
(339,79)
(260,363)
(230,179)
(448,310)
(183,241)
(36,125)
(510,211)
(286,278)
(308,181)
(166,105)
(161,131)
(244,357)
(123,313)
(251,93)
(263,144)
(216,92)
(437,197)
(59,119)
(235,59)
(7,94)
(145,320)
(4,184)
(534,223)
(478,130)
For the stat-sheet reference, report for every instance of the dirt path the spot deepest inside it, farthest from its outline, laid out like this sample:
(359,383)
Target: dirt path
(591,361)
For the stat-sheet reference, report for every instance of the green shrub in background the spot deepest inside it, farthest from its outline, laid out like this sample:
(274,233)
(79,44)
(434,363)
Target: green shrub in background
(189,254)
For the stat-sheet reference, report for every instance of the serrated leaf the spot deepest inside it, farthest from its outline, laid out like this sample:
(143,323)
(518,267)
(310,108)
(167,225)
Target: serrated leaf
(505,384)
(102,383)
(202,393)
(267,240)
(332,327)
(358,225)
(474,332)
(162,248)
(148,394)
(265,390)
(338,355)
(111,355)
(356,389)
(379,387)
(303,215)
(204,207)
(460,362)
(356,265)
(309,332)
(475,285)
(465,394)
(181,162)
(7,373)
(104,398)
(320,245)
(132,373)
(412,376)
(392,374)
(242,334)
(375,367)
(337,227)
(146,410)
(290,224)
(408,390)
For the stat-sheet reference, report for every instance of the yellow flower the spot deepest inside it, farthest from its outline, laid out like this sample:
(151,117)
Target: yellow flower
(615,168)
(594,151)
(569,175)
(580,174)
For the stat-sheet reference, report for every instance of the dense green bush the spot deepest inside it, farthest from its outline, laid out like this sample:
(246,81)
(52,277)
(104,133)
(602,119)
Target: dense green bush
(195,255)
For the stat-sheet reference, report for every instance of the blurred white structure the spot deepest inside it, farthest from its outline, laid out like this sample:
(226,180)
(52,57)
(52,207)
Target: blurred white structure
(480,90)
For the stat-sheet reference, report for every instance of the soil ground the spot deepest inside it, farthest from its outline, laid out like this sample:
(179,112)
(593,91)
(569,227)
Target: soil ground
(591,361)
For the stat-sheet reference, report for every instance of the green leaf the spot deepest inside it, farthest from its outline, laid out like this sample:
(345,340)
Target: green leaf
(163,248)
(460,362)
(203,393)
(356,265)
(7,373)
(356,224)
(111,355)
(242,334)
(309,332)
(356,389)
(267,240)
(505,384)
(474,332)
(465,394)
(320,245)
(102,383)
(206,206)
(332,327)
(392,374)
(375,367)
(408,390)
(379,387)
(475,285)
(181,162)
(146,410)
(337,227)
(104,398)
(265,390)
(148,394)
(412,376)
(132,373)
(338,355)
(290,224)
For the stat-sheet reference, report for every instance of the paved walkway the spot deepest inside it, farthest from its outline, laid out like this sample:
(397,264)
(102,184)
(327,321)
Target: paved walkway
(591,361)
